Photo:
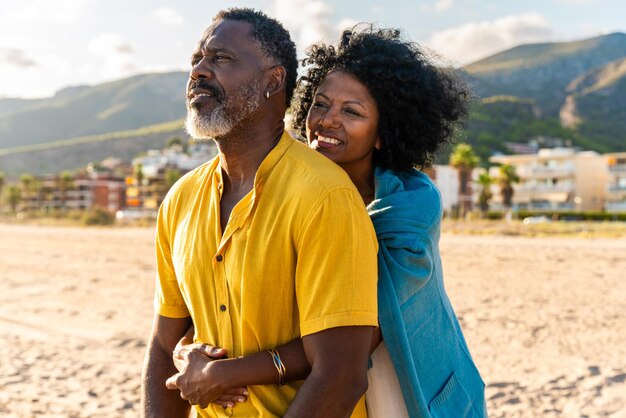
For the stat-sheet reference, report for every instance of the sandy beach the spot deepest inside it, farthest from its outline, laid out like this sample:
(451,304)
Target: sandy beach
(545,319)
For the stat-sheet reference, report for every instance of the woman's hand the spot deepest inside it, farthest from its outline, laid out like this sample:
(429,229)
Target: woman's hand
(198,380)
(228,398)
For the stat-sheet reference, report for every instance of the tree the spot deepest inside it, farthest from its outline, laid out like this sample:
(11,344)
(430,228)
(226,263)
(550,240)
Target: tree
(14,196)
(139,177)
(464,159)
(176,141)
(1,185)
(27,181)
(485,181)
(171,176)
(64,182)
(506,178)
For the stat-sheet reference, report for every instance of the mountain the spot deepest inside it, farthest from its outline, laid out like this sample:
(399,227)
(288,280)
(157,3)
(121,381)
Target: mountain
(568,92)
(543,71)
(576,90)
(121,105)
(76,153)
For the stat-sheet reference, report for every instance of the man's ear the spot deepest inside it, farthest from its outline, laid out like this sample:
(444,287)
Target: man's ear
(276,81)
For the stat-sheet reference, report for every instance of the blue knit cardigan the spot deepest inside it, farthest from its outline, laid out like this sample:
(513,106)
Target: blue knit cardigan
(421,331)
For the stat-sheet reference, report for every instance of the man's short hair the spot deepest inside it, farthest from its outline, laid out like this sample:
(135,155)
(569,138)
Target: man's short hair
(273,38)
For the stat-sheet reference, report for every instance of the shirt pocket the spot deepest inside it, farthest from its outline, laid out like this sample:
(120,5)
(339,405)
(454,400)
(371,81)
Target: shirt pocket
(451,401)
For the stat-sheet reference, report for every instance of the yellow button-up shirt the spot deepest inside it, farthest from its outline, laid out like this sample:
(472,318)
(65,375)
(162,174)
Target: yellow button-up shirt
(297,256)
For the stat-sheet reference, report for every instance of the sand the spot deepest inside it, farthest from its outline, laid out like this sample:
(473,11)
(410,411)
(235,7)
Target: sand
(545,319)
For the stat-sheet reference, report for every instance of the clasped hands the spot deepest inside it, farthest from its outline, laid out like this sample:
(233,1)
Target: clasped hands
(199,378)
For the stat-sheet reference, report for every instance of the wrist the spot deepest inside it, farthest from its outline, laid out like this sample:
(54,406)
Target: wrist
(217,372)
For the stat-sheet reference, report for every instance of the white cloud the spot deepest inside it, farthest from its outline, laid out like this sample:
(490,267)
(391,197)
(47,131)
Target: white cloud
(107,44)
(443,5)
(308,21)
(472,41)
(167,16)
(345,24)
(16,58)
(114,57)
(46,11)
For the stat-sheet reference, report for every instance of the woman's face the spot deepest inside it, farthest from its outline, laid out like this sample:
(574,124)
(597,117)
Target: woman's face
(342,122)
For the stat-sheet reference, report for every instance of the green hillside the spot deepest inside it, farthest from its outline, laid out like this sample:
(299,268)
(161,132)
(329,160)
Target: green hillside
(575,91)
(130,103)
(599,103)
(76,153)
(542,72)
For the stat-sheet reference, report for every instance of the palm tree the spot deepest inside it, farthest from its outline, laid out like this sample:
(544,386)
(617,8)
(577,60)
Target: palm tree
(1,186)
(138,172)
(171,176)
(14,196)
(27,181)
(506,178)
(64,182)
(485,181)
(464,159)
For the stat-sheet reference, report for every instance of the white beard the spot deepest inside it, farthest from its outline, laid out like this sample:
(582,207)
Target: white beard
(223,118)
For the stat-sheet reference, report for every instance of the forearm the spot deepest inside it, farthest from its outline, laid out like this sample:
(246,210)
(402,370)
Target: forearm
(321,390)
(157,401)
(338,377)
(259,369)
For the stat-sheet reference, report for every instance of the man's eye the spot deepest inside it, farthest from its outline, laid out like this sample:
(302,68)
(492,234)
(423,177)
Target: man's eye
(220,57)
(319,104)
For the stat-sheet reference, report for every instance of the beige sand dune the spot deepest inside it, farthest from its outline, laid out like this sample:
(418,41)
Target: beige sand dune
(545,319)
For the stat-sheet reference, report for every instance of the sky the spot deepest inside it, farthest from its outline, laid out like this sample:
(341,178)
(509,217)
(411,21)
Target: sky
(46,45)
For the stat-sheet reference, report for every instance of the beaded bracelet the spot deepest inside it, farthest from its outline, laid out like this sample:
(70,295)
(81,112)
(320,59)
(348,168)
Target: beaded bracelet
(280,367)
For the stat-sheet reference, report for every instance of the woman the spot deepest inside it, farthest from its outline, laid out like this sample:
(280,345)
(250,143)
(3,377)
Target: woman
(377,107)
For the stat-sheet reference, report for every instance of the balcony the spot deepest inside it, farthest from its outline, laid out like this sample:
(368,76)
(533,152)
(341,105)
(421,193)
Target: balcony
(616,188)
(543,172)
(544,188)
(617,168)
(619,206)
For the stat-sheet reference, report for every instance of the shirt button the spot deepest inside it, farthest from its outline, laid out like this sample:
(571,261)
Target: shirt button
(219,257)
(222,308)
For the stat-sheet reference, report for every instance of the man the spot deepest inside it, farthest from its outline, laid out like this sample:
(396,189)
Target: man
(264,244)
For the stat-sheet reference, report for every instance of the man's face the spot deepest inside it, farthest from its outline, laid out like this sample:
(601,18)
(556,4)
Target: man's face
(223,89)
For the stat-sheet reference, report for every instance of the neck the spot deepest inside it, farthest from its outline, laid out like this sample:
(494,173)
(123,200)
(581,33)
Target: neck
(242,151)
(363,178)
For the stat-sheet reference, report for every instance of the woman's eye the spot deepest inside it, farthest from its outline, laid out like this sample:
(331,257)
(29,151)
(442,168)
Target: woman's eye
(319,104)
(352,112)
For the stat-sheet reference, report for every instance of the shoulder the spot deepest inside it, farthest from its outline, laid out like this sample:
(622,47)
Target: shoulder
(413,192)
(188,184)
(308,171)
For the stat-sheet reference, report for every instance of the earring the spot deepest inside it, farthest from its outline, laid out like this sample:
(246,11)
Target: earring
(267,94)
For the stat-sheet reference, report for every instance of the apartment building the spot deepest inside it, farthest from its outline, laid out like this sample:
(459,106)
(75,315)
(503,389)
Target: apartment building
(83,191)
(557,179)
(616,184)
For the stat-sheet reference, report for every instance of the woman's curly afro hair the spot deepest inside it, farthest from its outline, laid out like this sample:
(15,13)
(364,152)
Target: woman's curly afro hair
(419,103)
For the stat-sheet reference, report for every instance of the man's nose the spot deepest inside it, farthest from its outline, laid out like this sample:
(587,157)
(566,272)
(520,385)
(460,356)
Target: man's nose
(202,69)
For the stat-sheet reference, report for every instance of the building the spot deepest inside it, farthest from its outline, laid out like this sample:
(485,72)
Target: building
(616,184)
(80,192)
(556,179)
(446,178)
(156,171)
